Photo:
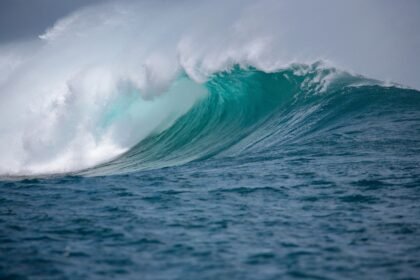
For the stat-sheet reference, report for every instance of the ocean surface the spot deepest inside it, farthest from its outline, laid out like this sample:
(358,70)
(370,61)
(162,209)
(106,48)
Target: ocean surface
(302,173)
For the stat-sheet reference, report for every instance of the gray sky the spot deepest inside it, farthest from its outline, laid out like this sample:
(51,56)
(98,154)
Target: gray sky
(20,19)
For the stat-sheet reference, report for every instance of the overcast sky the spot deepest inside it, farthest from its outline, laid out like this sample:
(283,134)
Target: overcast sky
(20,19)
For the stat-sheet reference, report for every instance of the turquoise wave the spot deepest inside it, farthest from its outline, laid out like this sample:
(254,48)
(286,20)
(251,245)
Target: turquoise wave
(249,111)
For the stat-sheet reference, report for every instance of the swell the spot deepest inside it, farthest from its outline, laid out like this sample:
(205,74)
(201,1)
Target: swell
(251,112)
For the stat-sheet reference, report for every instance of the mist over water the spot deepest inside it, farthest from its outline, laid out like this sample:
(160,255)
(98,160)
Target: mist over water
(213,140)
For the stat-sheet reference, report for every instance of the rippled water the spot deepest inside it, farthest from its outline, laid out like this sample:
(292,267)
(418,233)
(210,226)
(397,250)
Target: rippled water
(329,194)
(298,215)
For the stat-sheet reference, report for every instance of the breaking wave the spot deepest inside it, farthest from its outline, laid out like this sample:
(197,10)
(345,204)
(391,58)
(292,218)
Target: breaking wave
(133,93)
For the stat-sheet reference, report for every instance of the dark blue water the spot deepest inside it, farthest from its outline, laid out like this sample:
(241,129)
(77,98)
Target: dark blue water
(307,186)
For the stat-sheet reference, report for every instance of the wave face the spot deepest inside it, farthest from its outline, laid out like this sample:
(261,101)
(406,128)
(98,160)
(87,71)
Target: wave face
(242,111)
(246,112)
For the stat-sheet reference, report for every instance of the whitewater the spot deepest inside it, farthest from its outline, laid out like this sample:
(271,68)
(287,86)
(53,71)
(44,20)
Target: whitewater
(213,140)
